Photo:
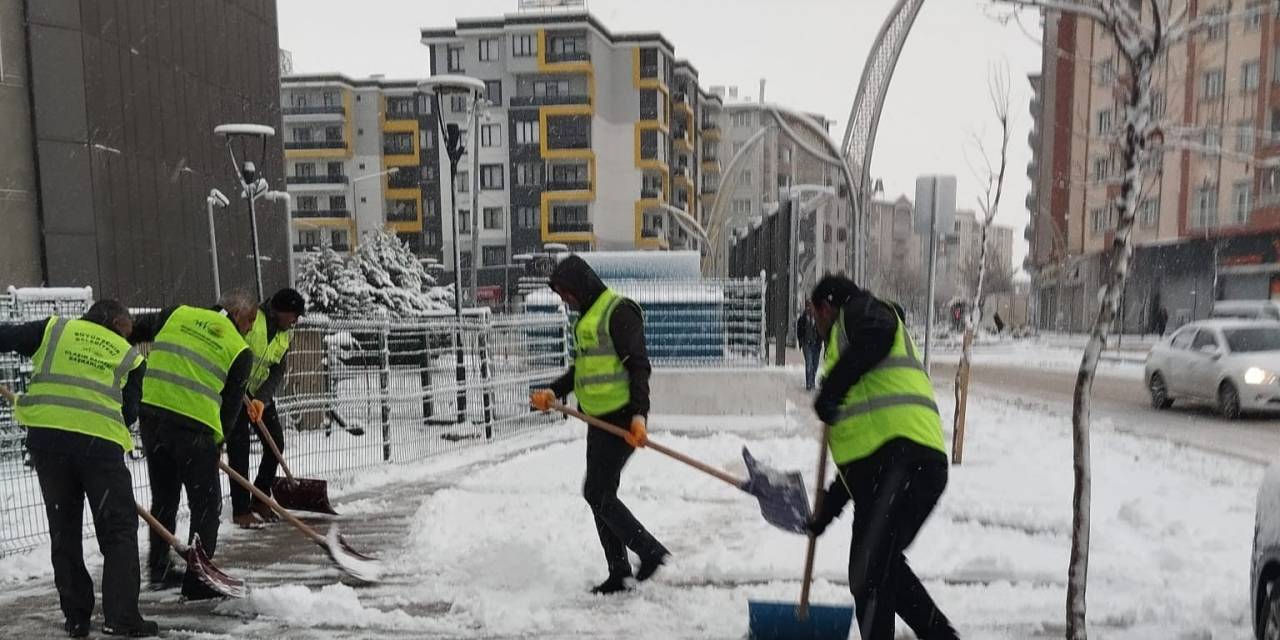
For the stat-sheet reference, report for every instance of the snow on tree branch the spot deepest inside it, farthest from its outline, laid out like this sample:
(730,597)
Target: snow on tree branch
(383,276)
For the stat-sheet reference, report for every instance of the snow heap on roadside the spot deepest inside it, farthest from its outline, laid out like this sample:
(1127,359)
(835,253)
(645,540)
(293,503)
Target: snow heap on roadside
(383,276)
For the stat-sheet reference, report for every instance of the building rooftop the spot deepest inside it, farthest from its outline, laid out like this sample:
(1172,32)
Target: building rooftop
(565,19)
(304,79)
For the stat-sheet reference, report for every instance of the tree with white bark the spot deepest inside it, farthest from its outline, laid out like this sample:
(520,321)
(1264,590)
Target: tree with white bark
(988,204)
(1144,31)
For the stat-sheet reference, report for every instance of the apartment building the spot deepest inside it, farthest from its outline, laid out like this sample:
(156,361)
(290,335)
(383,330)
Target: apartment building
(590,138)
(361,154)
(1208,223)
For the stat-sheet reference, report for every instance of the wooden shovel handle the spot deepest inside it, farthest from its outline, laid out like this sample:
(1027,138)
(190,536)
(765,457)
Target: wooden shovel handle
(9,395)
(271,442)
(802,612)
(675,455)
(160,529)
(275,506)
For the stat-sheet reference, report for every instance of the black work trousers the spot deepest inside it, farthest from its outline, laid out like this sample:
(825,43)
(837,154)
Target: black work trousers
(238,456)
(180,455)
(893,491)
(65,481)
(619,530)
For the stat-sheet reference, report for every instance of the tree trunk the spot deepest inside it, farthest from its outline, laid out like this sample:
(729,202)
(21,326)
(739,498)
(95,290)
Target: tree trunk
(1137,117)
(962,399)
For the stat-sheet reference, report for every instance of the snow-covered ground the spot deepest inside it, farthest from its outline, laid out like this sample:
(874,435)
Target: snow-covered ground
(508,549)
(1049,355)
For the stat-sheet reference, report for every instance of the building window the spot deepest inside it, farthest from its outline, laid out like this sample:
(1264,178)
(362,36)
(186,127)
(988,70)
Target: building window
(569,174)
(491,177)
(397,143)
(741,118)
(1104,122)
(570,218)
(495,256)
(335,169)
(455,58)
(1106,72)
(1245,137)
(527,217)
(529,174)
(308,203)
(491,135)
(464,222)
(1212,140)
(333,134)
(493,218)
(552,88)
(488,49)
(1241,202)
(299,99)
(337,203)
(426,138)
(746,177)
(458,103)
(524,45)
(1253,19)
(401,108)
(464,259)
(1097,220)
(430,208)
(331,98)
(493,91)
(1269,185)
(402,211)
(1217,28)
(1211,84)
(302,135)
(304,169)
(1205,215)
(427,173)
(1249,77)
(1149,212)
(1101,167)
(1151,162)
(463,179)
(741,207)
(424,104)
(842,234)
(527,132)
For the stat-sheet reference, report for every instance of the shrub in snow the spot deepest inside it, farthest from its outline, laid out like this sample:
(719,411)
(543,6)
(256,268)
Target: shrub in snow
(382,277)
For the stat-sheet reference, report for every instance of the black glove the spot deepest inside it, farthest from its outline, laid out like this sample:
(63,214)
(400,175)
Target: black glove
(828,412)
(816,527)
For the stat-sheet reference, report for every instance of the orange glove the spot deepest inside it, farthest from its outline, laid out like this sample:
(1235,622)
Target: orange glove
(254,409)
(639,435)
(542,399)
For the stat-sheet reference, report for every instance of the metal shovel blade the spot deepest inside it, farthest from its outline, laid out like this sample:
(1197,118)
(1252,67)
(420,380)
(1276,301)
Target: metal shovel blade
(303,494)
(353,563)
(781,621)
(781,493)
(213,577)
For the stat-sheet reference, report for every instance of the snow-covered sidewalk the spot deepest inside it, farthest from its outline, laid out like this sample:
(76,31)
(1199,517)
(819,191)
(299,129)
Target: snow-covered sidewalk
(503,544)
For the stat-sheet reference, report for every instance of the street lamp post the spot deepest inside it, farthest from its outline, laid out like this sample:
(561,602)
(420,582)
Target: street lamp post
(451,141)
(215,199)
(252,183)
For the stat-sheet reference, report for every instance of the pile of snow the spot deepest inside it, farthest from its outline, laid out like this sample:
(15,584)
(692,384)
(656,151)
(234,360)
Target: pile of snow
(335,605)
(383,276)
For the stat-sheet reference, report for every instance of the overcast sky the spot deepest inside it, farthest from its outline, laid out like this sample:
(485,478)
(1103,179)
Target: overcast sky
(809,51)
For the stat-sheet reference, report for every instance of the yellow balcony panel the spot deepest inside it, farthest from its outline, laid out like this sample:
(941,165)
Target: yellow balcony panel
(711,134)
(401,160)
(409,193)
(407,226)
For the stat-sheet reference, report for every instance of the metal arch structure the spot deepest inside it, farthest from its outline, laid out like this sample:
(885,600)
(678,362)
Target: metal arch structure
(864,117)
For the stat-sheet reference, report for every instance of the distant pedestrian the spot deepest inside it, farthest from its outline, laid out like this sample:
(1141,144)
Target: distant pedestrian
(995,317)
(1162,320)
(810,344)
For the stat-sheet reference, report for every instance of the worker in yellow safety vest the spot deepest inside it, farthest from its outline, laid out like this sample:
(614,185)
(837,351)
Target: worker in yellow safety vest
(610,378)
(269,342)
(197,367)
(886,439)
(83,394)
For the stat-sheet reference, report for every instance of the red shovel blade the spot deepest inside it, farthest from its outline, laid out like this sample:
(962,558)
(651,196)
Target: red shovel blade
(355,564)
(213,577)
(303,494)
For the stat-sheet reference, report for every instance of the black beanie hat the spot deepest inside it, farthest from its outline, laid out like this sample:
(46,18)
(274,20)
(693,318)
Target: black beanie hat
(289,301)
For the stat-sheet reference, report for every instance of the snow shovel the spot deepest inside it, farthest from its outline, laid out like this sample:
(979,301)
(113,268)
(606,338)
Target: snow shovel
(198,561)
(332,414)
(353,563)
(299,494)
(781,495)
(784,621)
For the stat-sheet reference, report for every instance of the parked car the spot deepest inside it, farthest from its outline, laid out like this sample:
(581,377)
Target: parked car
(1264,568)
(1233,364)
(1248,309)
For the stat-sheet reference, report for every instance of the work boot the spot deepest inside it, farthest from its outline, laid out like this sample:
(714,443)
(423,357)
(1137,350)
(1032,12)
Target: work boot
(140,629)
(265,512)
(615,584)
(76,628)
(651,564)
(247,521)
(171,578)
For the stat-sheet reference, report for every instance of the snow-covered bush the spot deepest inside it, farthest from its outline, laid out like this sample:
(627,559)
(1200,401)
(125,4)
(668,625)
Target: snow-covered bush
(383,276)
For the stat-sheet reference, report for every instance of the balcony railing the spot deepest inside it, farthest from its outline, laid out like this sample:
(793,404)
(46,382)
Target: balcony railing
(709,189)
(397,151)
(402,114)
(650,193)
(648,71)
(649,232)
(315,144)
(316,110)
(568,185)
(540,101)
(321,213)
(322,179)
(569,226)
(403,180)
(568,56)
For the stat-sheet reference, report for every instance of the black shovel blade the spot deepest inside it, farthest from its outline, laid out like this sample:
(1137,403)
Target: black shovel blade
(355,564)
(208,573)
(303,494)
(783,502)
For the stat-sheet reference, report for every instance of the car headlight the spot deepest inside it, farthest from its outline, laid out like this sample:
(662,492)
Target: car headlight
(1254,375)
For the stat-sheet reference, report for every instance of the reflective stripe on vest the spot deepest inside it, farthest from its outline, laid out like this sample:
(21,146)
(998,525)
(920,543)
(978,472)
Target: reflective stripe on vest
(600,381)
(893,400)
(188,365)
(266,354)
(80,372)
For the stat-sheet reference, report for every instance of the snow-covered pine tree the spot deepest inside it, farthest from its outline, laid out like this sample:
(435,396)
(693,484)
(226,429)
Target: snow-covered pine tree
(331,286)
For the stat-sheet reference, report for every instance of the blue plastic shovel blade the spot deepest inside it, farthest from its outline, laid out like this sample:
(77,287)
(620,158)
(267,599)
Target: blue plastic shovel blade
(779,621)
(783,502)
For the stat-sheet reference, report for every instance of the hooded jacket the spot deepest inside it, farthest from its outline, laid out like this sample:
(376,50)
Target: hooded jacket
(574,276)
